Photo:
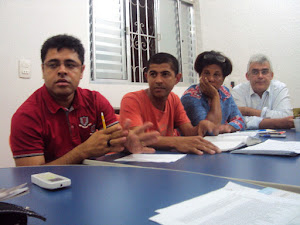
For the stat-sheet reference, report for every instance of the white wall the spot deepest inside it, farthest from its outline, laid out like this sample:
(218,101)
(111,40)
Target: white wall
(237,28)
(24,27)
(242,28)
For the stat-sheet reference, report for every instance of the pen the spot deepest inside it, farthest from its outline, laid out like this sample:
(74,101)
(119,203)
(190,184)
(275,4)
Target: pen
(103,121)
(273,135)
(266,130)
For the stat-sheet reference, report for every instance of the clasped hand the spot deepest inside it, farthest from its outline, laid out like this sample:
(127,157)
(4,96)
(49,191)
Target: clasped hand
(117,138)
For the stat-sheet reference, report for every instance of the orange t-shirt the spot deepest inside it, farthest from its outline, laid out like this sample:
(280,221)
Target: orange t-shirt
(137,107)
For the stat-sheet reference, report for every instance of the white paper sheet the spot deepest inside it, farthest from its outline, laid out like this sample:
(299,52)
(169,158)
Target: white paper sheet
(233,204)
(229,142)
(272,147)
(167,158)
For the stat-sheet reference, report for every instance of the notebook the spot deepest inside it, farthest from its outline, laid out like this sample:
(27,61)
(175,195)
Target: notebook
(232,141)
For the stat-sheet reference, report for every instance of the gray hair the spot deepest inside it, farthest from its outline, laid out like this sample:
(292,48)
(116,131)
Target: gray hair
(259,58)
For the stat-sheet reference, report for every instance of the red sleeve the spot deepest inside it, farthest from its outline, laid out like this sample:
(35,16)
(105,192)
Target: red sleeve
(131,109)
(26,135)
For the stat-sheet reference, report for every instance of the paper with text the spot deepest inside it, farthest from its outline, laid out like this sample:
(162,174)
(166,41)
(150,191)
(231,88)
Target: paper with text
(272,147)
(232,141)
(233,204)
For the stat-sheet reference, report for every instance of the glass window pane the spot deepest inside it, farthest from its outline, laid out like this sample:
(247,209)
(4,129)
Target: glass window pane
(116,54)
(169,28)
(187,43)
(108,49)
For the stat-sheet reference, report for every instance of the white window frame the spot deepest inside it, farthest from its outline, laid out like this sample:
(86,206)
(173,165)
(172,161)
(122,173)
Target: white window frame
(186,66)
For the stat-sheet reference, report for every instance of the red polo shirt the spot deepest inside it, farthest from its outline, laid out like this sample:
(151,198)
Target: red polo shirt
(41,127)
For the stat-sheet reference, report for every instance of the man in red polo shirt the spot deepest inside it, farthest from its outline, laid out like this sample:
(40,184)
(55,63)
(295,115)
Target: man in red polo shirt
(60,123)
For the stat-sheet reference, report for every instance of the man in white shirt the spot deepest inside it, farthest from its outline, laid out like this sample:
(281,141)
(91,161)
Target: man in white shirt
(264,102)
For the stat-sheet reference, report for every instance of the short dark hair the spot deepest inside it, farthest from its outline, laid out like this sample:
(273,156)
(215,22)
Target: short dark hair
(63,41)
(163,57)
(212,57)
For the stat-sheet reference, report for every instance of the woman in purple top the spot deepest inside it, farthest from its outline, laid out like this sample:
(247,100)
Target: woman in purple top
(210,100)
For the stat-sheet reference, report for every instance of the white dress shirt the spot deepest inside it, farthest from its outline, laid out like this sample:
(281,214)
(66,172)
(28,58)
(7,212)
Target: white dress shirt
(274,103)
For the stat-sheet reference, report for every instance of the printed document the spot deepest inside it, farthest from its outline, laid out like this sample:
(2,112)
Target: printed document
(232,141)
(272,147)
(234,204)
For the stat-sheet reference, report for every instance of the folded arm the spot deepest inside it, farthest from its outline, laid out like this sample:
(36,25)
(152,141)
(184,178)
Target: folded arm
(277,123)
(247,111)
(279,105)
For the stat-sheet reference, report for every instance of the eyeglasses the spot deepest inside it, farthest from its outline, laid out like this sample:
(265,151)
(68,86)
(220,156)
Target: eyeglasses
(69,65)
(257,71)
(211,56)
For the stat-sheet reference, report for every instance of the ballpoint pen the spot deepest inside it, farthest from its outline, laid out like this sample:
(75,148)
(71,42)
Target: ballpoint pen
(266,130)
(274,135)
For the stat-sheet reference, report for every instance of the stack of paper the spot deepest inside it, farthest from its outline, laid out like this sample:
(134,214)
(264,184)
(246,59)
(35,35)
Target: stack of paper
(7,193)
(273,147)
(231,141)
(234,204)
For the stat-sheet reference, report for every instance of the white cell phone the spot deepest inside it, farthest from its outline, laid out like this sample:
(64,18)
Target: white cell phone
(50,180)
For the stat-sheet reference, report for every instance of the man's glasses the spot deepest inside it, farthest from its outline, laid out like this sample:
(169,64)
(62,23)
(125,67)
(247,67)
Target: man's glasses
(69,65)
(211,56)
(257,72)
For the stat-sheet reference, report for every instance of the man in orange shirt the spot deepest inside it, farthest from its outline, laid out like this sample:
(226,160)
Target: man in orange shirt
(163,108)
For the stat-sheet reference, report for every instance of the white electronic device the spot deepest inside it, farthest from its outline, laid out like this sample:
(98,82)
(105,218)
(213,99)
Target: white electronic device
(50,180)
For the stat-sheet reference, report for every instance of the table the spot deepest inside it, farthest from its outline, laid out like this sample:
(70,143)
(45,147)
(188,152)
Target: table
(107,195)
(275,171)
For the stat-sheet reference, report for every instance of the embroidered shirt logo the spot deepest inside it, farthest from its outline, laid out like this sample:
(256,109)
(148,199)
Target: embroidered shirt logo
(84,122)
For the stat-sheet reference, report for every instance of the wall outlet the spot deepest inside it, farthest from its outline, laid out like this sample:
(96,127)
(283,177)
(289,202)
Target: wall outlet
(24,68)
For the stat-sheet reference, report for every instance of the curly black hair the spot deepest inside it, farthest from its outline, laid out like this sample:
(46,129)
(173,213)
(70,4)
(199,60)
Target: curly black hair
(63,41)
(212,57)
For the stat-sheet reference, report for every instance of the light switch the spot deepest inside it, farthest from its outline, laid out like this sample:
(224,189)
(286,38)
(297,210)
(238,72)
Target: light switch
(24,68)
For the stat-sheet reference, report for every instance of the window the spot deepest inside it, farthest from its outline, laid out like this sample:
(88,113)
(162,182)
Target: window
(124,34)
(142,39)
